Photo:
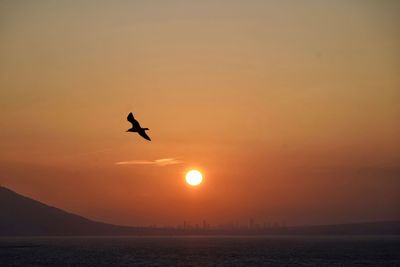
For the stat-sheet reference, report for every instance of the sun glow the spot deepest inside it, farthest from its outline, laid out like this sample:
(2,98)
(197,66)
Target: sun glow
(194,177)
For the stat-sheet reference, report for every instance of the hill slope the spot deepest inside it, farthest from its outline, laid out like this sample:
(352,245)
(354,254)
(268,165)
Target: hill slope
(20,215)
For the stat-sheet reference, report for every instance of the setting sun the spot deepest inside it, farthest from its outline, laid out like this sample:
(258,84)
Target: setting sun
(194,177)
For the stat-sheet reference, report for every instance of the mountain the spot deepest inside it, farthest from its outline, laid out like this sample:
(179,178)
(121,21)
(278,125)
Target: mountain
(365,228)
(22,216)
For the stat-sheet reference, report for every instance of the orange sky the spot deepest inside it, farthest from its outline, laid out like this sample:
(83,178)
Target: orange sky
(290,108)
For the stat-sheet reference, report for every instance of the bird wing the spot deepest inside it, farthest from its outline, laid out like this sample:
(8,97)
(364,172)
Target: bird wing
(131,119)
(143,134)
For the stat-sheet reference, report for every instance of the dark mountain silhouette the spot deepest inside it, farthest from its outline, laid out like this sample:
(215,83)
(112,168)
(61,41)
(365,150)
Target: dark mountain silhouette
(22,216)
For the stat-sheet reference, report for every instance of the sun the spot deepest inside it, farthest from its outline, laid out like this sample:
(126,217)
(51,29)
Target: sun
(194,177)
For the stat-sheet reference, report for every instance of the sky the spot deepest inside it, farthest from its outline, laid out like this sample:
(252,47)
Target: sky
(290,109)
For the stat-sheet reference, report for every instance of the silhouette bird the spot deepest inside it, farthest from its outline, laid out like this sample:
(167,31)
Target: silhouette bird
(136,128)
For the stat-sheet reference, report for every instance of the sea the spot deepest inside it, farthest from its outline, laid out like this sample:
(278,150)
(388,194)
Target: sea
(201,251)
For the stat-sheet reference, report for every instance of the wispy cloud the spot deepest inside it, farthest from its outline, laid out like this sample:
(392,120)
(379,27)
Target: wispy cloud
(157,162)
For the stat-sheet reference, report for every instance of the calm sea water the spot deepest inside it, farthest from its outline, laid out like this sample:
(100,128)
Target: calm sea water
(200,251)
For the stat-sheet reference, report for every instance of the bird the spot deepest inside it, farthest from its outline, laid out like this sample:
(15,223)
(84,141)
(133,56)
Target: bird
(136,128)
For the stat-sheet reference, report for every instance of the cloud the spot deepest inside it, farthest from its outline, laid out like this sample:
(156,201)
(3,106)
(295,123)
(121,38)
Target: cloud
(157,162)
